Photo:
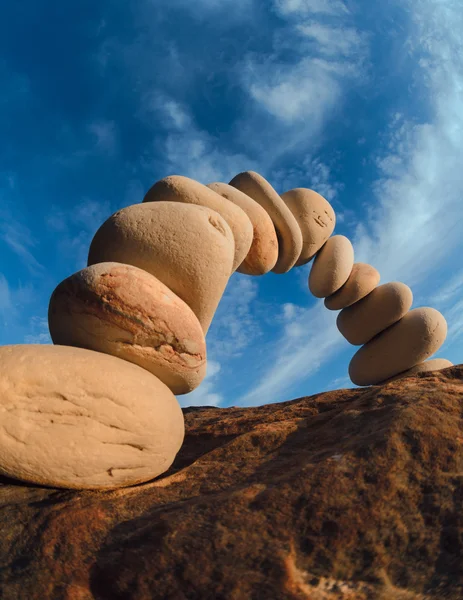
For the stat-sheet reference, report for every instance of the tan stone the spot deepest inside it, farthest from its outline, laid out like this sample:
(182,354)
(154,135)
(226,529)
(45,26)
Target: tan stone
(124,311)
(435,364)
(315,217)
(383,307)
(176,188)
(80,419)
(362,280)
(418,335)
(189,248)
(263,254)
(288,231)
(332,267)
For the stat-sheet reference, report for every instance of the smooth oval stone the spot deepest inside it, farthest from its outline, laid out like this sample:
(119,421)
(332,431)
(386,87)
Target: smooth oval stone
(124,311)
(435,364)
(332,267)
(362,280)
(315,217)
(418,335)
(189,248)
(263,253)
(383,307)
(176,188)
(288,232)
(75,418)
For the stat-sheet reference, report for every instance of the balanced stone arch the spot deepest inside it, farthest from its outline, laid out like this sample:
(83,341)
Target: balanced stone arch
(129,329)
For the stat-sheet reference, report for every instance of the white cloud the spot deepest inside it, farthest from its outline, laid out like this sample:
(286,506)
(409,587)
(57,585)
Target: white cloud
(308,341)
(189,150)
(20,240)
(303,95)
(301,8)
(414,227)
(76,228)
(206,394)
(105,136)
(5,296)
(234,327)
(39,328)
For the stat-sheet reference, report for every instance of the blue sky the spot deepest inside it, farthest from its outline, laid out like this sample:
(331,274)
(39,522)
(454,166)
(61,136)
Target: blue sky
(360,101)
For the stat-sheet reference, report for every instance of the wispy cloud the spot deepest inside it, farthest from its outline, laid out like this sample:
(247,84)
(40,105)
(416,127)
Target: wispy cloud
(38,326)
(303,8)
(19,239)
(190,150)
(308,340)
(105,136)
(208,394)
(77,227)
(414,225)
(302,95)
(235,327)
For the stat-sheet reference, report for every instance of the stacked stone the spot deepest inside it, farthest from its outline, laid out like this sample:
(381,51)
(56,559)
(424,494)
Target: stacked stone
(130,328)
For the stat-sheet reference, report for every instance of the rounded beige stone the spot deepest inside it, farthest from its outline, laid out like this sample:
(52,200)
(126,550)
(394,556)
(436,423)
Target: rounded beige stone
(124,311)
(383,307)
(288,231)
(362,280)
(263,253)
(332,267)
(176,188)
(80,419)
(418,335)
(435,364)
(315,217)
(189,248)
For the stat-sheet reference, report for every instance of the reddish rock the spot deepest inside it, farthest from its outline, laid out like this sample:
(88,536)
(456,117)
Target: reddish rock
(352,494)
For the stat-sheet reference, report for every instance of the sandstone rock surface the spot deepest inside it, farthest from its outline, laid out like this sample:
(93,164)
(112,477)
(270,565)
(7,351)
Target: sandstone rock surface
(124,311)
(434,364)
(263,254)
(383,307)
(80,419)
(410,341)
(362,280)
(332,267)
(315,217)
(288,231)
(189,248)
(347,495)
(177,188)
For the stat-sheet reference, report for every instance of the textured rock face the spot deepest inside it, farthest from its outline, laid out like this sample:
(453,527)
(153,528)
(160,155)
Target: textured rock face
(383,307)
(289,233)
(263,254)
(124,311)
(348,495)
(410,341)
(189,248)
(75,418)
(332,267)
(315,217)
(183,189)
(362,280)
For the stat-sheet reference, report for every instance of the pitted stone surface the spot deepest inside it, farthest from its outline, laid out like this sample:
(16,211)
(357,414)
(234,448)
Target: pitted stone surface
(124,311)
(263,254)
(189,248)
(288,231)
(434,364)
(176,188)
(362,280)
(383,307)
(315,217)
(332,267)
(80,419)
(410,341)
